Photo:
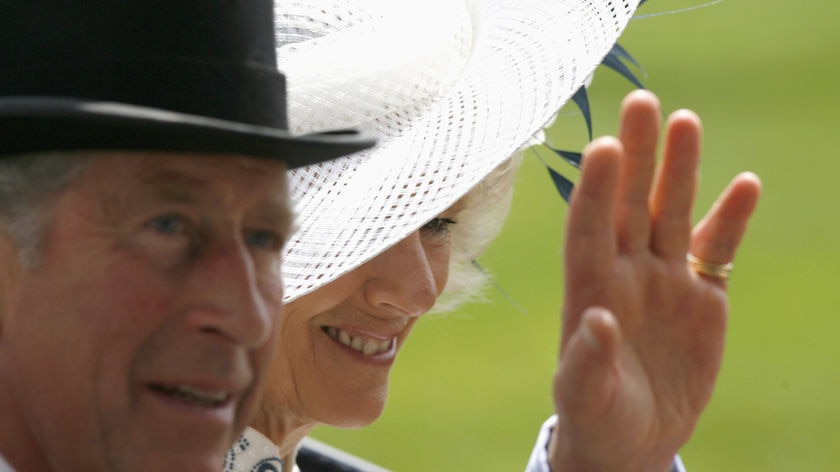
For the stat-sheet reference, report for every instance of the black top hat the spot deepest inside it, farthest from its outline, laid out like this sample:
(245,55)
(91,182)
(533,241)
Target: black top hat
(155,75)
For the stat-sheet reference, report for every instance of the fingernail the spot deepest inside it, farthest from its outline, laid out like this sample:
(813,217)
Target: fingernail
(588,335)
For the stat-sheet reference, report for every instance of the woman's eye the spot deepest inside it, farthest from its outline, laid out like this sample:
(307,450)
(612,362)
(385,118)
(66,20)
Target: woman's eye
(264,239)
(168,224)
(439,225)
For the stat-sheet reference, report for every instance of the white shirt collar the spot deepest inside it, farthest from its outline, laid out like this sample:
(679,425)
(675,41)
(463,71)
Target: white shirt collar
(252,449)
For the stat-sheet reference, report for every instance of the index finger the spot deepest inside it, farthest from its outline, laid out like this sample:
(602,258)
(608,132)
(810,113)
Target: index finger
(590,230)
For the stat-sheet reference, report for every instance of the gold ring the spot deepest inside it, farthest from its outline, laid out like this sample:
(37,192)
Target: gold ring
(718,271)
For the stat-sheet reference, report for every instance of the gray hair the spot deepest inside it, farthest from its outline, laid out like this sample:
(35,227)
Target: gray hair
(29,184)
(485,210)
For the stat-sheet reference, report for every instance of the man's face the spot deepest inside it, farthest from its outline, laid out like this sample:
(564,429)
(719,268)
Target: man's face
(140,340)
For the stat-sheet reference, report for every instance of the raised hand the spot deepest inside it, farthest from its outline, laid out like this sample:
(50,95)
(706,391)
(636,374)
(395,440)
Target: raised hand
(642,331)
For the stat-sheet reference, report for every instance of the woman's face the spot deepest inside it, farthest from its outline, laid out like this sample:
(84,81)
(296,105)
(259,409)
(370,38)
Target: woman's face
(337,344)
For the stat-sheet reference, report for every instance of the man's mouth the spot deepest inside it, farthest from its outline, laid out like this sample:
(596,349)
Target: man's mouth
(365,346)
(195,396)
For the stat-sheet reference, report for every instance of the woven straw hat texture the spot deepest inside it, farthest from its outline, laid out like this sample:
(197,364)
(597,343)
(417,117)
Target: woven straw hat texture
(451,87)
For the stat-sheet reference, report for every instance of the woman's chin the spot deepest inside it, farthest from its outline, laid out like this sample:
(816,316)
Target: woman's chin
(357,416)
(350,398)
(359,421)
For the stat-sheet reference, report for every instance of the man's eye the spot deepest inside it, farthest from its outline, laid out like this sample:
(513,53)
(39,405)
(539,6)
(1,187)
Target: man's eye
(264,239)
(168,224)
(439,225)
(166,239)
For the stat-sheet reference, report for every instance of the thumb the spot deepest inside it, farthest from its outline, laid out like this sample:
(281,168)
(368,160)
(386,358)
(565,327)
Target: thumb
(586,375)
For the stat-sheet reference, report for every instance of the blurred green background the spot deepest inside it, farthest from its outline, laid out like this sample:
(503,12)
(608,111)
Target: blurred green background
(471,388)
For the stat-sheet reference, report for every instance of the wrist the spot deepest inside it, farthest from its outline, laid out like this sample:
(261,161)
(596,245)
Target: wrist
(569,454)
(563,457)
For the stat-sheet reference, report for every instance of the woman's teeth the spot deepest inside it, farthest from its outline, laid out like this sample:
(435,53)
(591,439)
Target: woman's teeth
(367,347)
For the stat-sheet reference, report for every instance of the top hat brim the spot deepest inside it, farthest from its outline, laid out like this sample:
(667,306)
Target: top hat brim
(53,124)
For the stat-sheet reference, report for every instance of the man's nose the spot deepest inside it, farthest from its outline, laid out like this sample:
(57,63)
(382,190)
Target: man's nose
(229,299)
(401,279)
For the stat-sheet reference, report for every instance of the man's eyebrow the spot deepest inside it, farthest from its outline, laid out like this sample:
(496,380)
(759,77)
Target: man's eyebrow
(176,187)
(172,186)
(277,215)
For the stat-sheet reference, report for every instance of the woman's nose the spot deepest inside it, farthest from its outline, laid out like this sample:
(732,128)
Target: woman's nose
(401,280)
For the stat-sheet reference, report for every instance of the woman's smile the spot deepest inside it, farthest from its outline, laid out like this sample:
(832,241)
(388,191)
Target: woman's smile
(363,344)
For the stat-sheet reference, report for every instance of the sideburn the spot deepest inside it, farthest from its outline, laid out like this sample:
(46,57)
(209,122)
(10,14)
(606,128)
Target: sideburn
(11,270)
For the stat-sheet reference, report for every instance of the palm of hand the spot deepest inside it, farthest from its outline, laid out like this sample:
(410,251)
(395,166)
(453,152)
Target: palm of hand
(643,335)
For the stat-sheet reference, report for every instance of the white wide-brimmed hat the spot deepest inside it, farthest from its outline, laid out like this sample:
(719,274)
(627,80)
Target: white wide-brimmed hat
(452,88)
